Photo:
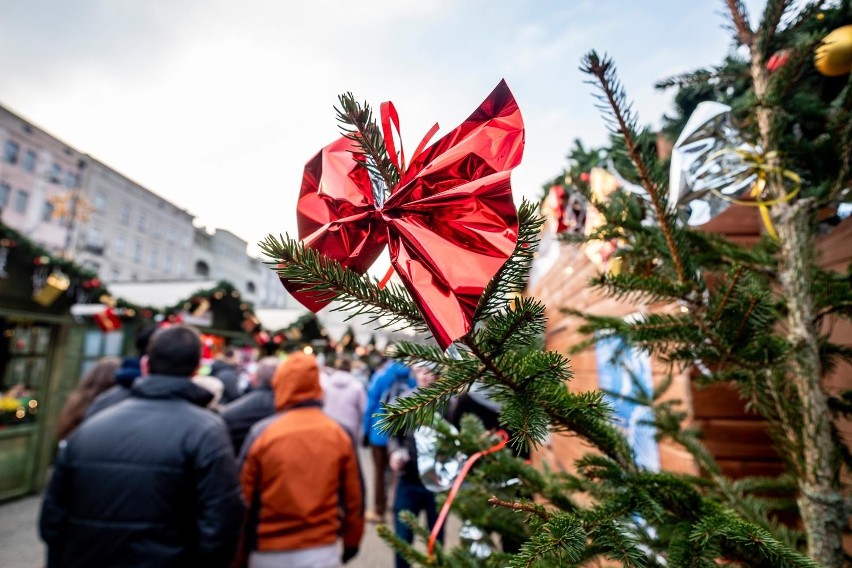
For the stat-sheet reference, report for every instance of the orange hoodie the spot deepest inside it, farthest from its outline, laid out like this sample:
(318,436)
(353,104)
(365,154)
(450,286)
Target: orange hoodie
(301,470)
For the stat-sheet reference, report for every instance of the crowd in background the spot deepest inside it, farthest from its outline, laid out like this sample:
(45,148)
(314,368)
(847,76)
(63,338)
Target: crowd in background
(251,463)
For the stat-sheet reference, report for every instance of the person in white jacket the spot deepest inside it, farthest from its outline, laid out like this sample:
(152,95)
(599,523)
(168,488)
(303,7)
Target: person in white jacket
(345,397)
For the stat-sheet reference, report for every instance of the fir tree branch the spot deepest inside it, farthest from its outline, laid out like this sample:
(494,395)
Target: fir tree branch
(724,302)
(739,19)
(358,125)
(531,508)
(512,276)
(607,82)
(330,280)
(772,14)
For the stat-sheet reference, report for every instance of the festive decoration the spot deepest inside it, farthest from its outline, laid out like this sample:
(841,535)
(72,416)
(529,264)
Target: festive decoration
(834,55)
(201,308)
(55,283)
(450,221)
(713,167)
(600,252)
(475,540)
(108,320)
(437,469)
(778,60)
(442,516)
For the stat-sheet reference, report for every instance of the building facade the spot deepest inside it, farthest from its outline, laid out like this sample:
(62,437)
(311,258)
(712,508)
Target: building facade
(80,208)
(38,172)
(221,255)
(130,233)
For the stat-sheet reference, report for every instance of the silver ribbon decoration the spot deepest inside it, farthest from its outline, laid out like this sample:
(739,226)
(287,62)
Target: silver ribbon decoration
(438,469)
(705,163)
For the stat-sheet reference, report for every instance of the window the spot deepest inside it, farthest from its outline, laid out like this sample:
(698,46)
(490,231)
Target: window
(99,201)
(47,212)
(170,238)
(167,263)
(120,242)
(10,152)
(250,287)
(153,258)
(95,237)
(21,201)
(155,229)
(29,161)
(143,221)
(5,191)
(137,251)
(125,213)
(202,269)
(70,179)
(115,274)
(55,173)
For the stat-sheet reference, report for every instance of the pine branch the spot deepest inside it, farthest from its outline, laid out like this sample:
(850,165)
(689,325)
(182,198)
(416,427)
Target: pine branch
(772,14)
(739,19)
(527,506)
(512,276)
(331,281)
(358,125)
(625,124)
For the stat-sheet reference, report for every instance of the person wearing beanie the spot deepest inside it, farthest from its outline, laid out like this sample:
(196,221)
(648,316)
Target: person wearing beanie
(301,479)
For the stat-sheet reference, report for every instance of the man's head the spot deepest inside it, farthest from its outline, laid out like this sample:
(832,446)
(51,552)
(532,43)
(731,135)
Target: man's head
(174,351)
(143,337)
(229,356)
(265,370)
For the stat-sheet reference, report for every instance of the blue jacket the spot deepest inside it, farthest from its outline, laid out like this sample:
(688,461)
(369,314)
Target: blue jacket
(381,383)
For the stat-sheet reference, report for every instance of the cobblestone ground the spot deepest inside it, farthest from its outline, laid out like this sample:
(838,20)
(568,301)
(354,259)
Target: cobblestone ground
(20,546)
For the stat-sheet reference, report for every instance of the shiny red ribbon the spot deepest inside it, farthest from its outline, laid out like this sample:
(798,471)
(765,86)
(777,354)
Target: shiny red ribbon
(451,496)
(450,223)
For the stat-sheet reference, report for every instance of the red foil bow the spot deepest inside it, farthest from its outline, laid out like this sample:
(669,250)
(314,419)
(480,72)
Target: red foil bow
(450,222)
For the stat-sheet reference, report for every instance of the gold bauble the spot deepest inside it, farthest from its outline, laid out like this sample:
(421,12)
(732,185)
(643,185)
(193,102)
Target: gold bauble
(834,54)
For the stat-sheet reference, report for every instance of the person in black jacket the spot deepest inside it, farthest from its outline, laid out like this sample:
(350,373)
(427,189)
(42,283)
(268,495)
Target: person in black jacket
(225,369)
(129,370)
(150,481)
(241,414)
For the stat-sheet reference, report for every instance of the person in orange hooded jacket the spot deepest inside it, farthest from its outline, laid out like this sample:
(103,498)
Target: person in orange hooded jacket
(300,478)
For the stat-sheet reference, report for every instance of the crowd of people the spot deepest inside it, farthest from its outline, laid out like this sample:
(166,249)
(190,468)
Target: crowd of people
(159,465)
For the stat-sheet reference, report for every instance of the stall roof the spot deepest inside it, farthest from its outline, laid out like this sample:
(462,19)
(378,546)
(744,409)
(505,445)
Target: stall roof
(161,295)
(278,318)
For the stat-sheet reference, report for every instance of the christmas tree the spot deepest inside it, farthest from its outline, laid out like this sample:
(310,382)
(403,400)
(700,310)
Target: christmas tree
(753,318)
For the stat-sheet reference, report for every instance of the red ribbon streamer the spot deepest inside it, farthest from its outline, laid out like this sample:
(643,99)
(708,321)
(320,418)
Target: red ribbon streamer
(445,510)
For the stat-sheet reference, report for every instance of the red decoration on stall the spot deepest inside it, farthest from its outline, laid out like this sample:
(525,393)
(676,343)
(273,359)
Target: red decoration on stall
(261,338)
(108,320)
(450,223)
(92,283)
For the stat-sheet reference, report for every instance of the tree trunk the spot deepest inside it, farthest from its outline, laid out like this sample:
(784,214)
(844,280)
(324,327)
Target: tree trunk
(820,499)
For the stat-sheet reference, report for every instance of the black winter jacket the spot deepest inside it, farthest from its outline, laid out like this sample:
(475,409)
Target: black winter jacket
(228,375)
(150,481)
(245,412)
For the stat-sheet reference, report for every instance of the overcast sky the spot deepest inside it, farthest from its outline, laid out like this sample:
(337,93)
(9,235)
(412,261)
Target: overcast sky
(216,105)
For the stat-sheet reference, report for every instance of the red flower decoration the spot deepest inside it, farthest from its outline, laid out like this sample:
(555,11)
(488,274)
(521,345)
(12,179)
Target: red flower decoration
(450,223)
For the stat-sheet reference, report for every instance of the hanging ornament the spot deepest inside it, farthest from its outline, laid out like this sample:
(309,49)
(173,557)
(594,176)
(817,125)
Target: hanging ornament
(437,468)
(250,323)
(833,57)
(778,60)
(712,167)
(601,252)
(107,320)
(475,540)
(450,222)
(51,288)
(261,338)
(201,308)
(5,246)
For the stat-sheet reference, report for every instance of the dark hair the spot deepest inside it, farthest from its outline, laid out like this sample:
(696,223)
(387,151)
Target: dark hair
(174,351)
(98,379)
(343,363)
(143,337)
